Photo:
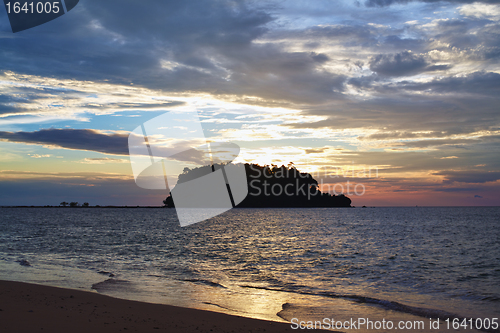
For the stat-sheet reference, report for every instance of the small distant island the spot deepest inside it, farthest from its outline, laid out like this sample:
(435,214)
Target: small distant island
(274,187)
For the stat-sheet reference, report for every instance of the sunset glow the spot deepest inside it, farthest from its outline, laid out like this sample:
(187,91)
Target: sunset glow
(409,89)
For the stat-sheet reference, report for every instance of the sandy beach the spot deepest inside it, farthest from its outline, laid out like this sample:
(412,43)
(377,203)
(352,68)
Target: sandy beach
(31,308)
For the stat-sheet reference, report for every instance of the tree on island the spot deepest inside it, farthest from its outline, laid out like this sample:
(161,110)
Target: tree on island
(169,202)
(274,186)
(85,204)
(64,204)
(73,204)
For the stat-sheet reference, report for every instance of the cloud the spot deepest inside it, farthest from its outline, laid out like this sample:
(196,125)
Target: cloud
(235,53)
(172,47)
(347,34)
(396,42)
(128,43)
(135,105)
(469,176)
(314,151)
(102,160)
(404,63)
(435,143)
(456,189)
(79,139)
(384,3)
(39,156)
(478,83)
(394,115)
(394,135)
(113,144)
(31,98)
(481,11)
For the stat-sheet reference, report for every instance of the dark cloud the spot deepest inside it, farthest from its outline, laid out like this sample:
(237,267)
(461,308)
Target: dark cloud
(364,82)
(469,176)
(9,102)
(217,23)
(124,41)
(478,83)
(347,34)
(470,40)
(404,63)
(11,109)
(384,3)
(315,151)
(27,99)
(434,139)
(319,57)
(394,135)
(462,34)
(395,112)
(407,109)
(174,46)
(24,99)
(456,189)
(268,72)
(135,106)
(113,144)
(401,161)
(399,43)
(437,142)
(80,139)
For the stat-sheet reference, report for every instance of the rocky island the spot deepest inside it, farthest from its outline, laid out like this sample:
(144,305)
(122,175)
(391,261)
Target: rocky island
(274,186)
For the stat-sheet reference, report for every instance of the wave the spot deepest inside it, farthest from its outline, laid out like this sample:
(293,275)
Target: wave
(111,285)
(386,304)
(205,282)
(223,307)
(106,273)
(284,307)
(23,262)
(491,298)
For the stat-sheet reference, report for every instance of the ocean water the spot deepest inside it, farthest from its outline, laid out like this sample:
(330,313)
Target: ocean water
(398,264)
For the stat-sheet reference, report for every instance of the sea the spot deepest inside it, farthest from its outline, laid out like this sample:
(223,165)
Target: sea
(439,266)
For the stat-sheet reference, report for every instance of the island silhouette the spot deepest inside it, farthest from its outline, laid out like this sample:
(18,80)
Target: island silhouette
(272,186)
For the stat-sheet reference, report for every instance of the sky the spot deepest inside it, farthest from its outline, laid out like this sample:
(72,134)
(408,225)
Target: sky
(392,102)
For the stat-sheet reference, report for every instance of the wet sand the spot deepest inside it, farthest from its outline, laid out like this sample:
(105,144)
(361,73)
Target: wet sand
(31,308)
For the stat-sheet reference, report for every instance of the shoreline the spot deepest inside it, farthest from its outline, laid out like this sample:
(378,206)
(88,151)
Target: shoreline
(27,307)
